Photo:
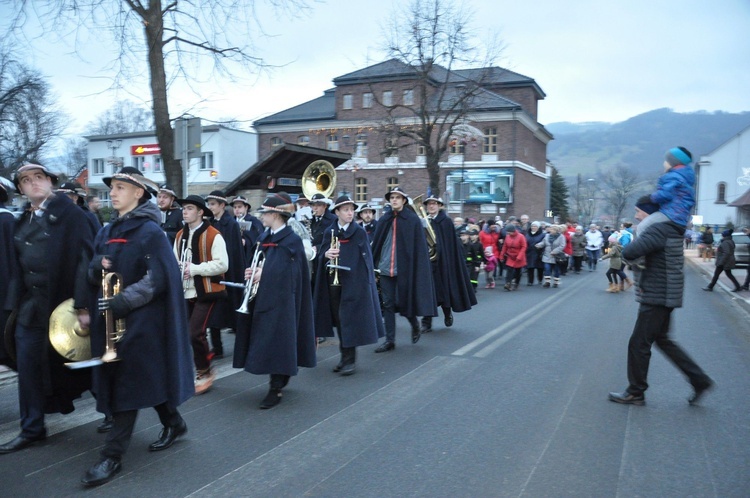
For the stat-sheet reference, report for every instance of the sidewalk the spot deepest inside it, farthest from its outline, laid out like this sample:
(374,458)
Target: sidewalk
(724,284)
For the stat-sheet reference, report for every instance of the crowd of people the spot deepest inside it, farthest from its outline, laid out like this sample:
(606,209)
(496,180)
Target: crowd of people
(300,271)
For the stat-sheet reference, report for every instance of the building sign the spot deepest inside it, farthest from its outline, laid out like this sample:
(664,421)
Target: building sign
(481,186)
(144,150)
(290,182)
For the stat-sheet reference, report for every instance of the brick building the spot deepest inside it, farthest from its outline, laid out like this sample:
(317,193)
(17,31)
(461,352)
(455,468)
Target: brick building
(503,171)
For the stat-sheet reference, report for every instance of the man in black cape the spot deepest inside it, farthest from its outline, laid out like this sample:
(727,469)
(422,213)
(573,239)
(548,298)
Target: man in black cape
(250,226)
(52,225)
(453,289)
(366,215)
(399,251)
(171,214)
(347,298)
(7,261)
(224,315)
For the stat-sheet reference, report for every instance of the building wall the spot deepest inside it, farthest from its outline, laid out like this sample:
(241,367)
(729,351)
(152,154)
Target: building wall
(723,165)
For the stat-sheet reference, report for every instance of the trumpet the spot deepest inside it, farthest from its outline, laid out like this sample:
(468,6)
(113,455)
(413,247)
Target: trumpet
(251,287)
(185,257)
(333,265)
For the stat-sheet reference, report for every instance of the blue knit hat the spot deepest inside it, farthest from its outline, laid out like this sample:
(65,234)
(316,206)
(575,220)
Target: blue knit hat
(679,155)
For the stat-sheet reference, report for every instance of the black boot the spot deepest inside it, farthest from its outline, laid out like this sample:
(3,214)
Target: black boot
(106,424)
(272,399)
(426,324)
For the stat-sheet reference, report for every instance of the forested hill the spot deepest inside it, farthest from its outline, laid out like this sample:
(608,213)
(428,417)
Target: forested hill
(639,142)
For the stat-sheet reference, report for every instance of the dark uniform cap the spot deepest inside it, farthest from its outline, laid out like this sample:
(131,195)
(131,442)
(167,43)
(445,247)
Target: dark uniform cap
(195,200)
(134,177)
(433,198)
(343,199)
(168,190)
(279,202)
(217,195)
(396,190)
(241,199)
(320,199)
(71,188)
(31,166)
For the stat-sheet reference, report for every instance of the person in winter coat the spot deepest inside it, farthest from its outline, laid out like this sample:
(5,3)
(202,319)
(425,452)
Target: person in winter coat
(474,258)
(534,263)
(724,262)
(553,245)
(661,285)
(489,236)
(156,367)
(675,190)
(490,263)
(351,305)
(615,266)
(578,244)
(513,254)
(277,336)
(707,241)
(594,242)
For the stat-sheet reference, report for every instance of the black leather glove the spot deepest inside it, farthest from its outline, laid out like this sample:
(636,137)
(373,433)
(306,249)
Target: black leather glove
(116,304)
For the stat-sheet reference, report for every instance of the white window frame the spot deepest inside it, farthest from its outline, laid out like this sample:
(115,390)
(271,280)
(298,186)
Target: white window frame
(347,101)
(409,96)
(366,100)
(360,190)
(388,98)
(138,162)
(276,142)
(97,166)
(207,161)
(332,142)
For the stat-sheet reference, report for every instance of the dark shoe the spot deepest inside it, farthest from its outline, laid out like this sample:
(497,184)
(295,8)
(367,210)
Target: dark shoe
(416,333)
(449,319)
(348,369)
(626,398)
(386,346)
(737,289)
(106,424)
(338,367)
(19,443)
(321,340)
(168,436)
(745,287)
(272,399)
(426,324)
(507,286)
(709,289)
(699,392)
(102,472)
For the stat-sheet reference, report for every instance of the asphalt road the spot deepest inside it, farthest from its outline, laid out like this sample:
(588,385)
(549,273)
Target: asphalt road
(511,401)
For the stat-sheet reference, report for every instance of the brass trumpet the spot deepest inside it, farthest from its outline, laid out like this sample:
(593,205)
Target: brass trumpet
(251,288)
(333,265)
(429,232)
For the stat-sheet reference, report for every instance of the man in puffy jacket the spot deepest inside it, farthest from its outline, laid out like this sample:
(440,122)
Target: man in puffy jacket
(661,285)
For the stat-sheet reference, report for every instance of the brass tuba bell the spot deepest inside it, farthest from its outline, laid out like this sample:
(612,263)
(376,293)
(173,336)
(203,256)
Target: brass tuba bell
(319,178)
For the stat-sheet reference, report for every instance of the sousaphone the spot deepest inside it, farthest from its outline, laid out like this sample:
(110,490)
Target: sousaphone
(319,178)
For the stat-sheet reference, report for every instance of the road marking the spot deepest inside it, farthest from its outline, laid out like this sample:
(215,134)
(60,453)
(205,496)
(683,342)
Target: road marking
(509,329)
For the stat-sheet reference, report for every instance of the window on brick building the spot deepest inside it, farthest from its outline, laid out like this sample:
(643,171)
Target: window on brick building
(409,97)
(388,98)
(303,140)
(360,190)
(721,192)
(361,145)
(456,146)
(421,150)
(347,101)
(332,142)
(276,142)
(391,183)
(366,100)
(391,147)
(490,140)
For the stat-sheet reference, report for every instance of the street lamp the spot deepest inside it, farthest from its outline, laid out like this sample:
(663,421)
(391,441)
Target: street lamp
(113,145)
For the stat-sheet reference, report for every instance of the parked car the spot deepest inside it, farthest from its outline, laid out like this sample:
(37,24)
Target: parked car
(741,253)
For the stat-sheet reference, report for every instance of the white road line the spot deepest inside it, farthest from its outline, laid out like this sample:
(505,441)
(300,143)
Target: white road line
(511,325)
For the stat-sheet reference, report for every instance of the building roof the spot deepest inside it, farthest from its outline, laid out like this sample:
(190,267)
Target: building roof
(285,161)
(152,133)
(741,201)
(321,108)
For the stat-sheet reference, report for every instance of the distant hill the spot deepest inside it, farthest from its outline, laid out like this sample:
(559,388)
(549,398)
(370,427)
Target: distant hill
(639,142)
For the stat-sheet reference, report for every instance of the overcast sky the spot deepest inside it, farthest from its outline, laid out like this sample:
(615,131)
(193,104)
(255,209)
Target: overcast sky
(595,60)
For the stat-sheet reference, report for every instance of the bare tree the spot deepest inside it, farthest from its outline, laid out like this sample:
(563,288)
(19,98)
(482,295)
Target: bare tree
(618,186)
(123,117)
(433,38)
(28,118)
(75,156)
(174,36)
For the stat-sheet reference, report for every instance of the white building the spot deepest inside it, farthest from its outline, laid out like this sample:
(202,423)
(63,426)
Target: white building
(225,154)
(722,177)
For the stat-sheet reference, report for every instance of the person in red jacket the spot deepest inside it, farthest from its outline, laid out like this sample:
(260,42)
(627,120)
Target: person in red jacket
(514,255)
(488,237)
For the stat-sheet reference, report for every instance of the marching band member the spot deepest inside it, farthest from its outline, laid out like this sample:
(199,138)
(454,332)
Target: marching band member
(202,253)
(250,226)
(171,217)
(277,337)
(223,315)
(154,368)
(366,215)
(322,219)
(7,256)
(453,289)
(399,251)
(77,194)
(357,318)
(52,225)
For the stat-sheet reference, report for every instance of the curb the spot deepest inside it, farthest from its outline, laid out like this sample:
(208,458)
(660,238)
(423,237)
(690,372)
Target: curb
(742,302)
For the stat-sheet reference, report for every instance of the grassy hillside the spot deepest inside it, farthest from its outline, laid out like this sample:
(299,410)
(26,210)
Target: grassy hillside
(640,142)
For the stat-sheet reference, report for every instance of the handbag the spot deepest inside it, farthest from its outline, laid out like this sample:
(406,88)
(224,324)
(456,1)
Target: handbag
(561,257)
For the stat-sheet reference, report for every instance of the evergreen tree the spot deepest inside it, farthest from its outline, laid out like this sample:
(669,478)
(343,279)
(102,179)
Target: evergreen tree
(558,196)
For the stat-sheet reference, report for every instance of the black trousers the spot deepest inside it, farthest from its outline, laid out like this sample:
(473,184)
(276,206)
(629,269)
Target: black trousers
(348,354)
(118,438)
(652,326)
(389,289)
(728,273)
